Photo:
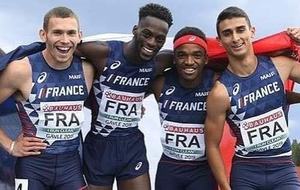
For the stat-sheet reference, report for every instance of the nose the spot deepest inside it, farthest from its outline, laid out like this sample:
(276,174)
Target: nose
(189,60)
(235,36)
(151,42)
(64,38)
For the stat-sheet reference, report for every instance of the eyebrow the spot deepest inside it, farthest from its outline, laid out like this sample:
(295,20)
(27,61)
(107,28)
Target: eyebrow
(238,27)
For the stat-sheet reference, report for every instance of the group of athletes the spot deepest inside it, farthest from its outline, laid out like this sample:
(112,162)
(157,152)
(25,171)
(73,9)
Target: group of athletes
(52,86)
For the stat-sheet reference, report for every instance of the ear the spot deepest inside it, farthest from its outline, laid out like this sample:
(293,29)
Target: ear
(80,35)
(134,30)
(43,35)
(206,58)
(252,32)
(219,41)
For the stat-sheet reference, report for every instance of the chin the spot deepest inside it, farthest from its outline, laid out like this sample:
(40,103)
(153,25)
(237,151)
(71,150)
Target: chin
(146,58)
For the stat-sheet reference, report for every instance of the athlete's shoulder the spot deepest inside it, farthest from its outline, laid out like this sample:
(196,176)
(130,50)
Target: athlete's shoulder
(219,91)
(283,60)
(19,67)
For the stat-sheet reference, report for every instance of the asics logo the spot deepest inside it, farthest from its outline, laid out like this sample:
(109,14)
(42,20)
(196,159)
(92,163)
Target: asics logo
(236,89)
(115,64)
(170,90)
(192,38)
(138,166)
(42,77)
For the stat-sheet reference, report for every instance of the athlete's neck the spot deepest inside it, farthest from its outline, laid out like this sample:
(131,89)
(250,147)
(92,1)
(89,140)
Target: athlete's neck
(243,67)
(55,64)
(131,52)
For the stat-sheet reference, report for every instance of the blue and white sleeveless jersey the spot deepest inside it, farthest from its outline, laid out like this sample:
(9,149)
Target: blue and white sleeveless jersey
(182,115)
(54,109)
(119,92)
(258,114)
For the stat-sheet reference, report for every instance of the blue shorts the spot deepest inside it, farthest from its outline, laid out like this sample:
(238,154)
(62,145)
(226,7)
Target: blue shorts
(120,157)
(178,175)
(273,176)
(50,171)
(10,123)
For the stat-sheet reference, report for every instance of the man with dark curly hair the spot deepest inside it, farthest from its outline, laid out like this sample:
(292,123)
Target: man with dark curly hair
(114,147)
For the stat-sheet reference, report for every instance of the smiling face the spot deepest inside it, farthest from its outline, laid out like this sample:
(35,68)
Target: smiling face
(61,37)
(189,60)
(149,37)
(236,35)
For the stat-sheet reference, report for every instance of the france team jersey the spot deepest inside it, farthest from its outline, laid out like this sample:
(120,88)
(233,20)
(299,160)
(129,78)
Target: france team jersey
(258,114)
(182,114)
(54,109)
(119,92)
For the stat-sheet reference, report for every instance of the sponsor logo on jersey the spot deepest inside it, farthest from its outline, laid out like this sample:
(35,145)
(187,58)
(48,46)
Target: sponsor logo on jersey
(145,70)
(267,75)
(42,77)
(74,77)
(138,165)
(199,94)
(236,89)
(170,90)
(115,65)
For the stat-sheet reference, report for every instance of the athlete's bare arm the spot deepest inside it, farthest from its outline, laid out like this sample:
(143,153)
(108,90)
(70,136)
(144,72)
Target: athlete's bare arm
(96,52)
(16,80)
(292,97)
(163,61)
(157,87)
(288,68)
(89,74)
(217,106)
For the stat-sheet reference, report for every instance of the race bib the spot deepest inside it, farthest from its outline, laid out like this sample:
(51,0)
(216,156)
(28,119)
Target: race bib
(264,132)
(21,184)
(120,109)
(182,141)
(60,120)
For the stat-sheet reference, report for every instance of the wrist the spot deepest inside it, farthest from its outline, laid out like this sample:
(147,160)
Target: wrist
(11,147)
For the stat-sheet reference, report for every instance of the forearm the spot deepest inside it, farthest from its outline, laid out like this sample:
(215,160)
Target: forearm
(217,166)
(293,97)
(5,141)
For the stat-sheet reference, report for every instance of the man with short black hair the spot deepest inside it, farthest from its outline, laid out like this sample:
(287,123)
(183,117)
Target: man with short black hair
(250,96)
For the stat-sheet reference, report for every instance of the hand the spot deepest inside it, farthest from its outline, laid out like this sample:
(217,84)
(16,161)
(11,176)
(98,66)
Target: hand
(294,33)
(28,146)
(143,111)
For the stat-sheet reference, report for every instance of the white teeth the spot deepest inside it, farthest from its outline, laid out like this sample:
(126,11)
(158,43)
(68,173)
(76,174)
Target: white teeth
(63,48)
(189,70)
(237,46)
(148,50)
